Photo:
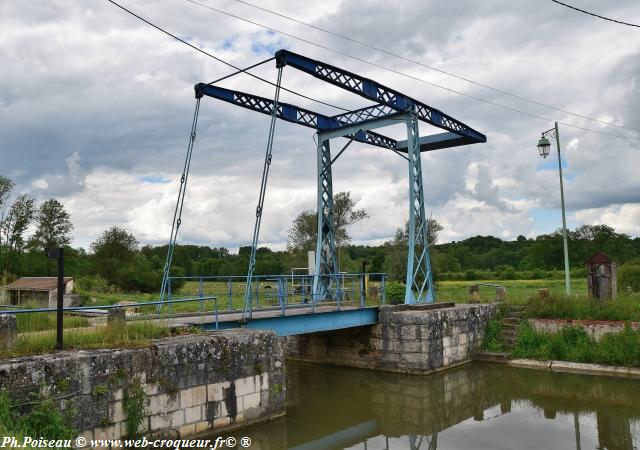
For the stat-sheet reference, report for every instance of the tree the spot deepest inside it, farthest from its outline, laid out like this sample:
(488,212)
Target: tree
(14,225)
(6,186)
(53,225)
(303,231)
(113,251)
(115,243)
(395,262)
(345,215)
(302,234)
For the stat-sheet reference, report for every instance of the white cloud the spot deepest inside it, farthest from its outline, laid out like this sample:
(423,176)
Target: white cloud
(93,101)
(624,218)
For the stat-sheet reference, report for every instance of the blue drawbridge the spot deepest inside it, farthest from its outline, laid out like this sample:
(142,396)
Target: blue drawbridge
(325,287)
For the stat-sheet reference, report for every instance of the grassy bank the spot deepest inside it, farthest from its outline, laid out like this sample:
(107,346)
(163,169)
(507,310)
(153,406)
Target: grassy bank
(43,420)
(47,321)
(137,334)
(518,291)
(573,343)
(625,307)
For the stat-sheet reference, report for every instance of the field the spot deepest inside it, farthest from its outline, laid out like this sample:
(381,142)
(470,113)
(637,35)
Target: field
(518,291)
(230,295)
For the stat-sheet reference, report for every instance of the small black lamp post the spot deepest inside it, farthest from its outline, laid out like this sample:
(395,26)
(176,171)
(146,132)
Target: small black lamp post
(58,253)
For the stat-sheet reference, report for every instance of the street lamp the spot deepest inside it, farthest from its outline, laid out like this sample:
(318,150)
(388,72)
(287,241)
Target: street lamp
(543,148)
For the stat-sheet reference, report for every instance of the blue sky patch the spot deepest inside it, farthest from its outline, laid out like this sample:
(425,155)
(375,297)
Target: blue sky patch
(154,179)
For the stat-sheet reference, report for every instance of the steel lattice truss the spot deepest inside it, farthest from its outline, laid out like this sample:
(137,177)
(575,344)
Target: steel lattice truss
(390,106)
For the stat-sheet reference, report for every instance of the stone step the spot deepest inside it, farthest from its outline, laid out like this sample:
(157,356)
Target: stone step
(490,356)
(511,320)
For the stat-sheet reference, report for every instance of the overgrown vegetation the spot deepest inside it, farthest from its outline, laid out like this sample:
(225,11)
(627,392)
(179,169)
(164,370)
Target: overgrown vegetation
(629,276)
(395,292)
(133,405)
(493,333)
(44,419)
(625,307)
(136,334)
(47,321)
(573,343)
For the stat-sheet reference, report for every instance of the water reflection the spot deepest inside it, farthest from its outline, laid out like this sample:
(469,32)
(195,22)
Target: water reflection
(478,406)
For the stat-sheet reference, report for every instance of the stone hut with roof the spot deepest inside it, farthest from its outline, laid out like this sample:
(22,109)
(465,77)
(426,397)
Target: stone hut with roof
(602,276)
(38,291)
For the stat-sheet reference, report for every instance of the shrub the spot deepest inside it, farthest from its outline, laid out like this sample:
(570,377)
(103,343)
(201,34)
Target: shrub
(573,343)
(470,275)
(94,283)
(44,419)
(493,335)
(629,276)
(395,292)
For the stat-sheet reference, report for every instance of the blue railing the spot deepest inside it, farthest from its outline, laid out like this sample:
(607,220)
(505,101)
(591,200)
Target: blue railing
(12,310)
(270,292)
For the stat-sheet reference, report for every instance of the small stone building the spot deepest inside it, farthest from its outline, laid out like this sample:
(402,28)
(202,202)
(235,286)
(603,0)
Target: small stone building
(37,291)
(601,277)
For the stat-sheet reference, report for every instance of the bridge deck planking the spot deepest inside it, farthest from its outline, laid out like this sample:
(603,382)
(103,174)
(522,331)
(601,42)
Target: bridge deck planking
(297,320)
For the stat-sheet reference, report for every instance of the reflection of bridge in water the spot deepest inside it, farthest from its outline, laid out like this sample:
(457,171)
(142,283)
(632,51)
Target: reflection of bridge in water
(331,408)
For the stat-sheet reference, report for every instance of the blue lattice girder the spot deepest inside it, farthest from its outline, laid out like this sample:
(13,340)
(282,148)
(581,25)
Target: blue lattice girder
(292,113)
(321,122)
(419,282)
(376,92)
(325,281)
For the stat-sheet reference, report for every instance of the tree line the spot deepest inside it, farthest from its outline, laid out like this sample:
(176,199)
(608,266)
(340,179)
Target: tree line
(116,261)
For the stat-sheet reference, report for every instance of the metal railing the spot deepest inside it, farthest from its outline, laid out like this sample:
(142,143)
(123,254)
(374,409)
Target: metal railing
(285,291)
(268,292)
(11,309)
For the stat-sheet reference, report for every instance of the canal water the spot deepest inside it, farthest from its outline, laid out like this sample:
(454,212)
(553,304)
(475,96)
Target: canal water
(478,406)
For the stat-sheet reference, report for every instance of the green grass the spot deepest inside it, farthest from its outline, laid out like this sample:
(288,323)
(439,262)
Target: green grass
(137,334)
(43,420)
(47,321)
(625,307)
(518,291)
(267,296)
(573,343)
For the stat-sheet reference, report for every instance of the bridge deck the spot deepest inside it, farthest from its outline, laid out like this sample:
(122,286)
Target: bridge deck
(296,320)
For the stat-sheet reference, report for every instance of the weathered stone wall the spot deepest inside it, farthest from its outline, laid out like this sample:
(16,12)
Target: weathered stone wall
(407,339)
(191,384)
(597,329)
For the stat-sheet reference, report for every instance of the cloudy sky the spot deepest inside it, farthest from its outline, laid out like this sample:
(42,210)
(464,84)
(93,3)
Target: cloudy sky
(95,110)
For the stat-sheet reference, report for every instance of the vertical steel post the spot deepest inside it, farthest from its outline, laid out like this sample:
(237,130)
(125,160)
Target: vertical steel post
(263,189)
(59,315)
(326,275)
(383,288)
(567,279)
(419,276)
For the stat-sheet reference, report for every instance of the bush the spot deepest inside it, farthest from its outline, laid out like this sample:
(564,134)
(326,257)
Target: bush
(573,343)
(395,292)
(94,283)
(470,275)
(493,335)
(580,308)
(629,276)
(44,420)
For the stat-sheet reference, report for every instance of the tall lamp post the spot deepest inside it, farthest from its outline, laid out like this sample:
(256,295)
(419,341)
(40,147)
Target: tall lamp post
(543,148)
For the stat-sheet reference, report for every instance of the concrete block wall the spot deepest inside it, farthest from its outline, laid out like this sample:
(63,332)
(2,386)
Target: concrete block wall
(597,329)
(408,339)
(192,384)
(417,341)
